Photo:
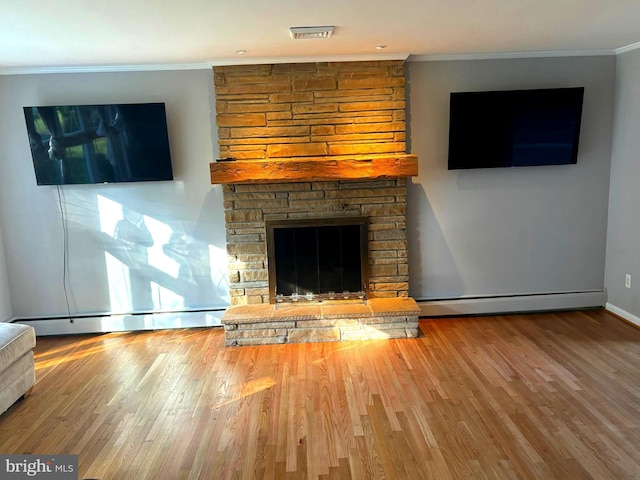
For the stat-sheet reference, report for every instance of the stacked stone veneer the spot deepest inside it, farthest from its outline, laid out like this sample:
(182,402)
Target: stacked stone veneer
(247,207)
(319,110)
(310,109)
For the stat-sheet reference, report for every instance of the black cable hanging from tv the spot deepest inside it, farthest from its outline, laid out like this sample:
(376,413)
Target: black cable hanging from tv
(65,248)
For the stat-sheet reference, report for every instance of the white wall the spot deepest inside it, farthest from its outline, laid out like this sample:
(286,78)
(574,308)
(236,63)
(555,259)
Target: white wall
(623,235)
(5,302)
(508,231)
(471,233)
(188,210)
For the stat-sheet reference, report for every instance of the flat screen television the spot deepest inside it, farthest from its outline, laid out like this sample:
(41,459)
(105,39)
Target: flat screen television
(514,128)
(85,144)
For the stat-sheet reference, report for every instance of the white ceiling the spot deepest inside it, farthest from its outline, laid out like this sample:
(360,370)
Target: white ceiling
(37,35)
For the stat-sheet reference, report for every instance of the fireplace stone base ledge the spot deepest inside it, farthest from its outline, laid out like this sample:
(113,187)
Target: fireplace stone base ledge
(379,318)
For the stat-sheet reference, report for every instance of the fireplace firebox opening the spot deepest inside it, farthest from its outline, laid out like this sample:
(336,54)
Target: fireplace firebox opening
(317,259)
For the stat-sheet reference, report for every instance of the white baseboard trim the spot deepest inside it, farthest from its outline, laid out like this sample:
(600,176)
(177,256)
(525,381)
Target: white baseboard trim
(123,323)
(629,317)
(512,304)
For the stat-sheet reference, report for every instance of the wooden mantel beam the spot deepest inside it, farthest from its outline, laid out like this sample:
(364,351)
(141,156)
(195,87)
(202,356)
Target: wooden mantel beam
(314,169)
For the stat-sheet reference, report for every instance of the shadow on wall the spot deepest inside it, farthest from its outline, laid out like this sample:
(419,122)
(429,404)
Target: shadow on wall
(436,265)
(150,263)
(433,272)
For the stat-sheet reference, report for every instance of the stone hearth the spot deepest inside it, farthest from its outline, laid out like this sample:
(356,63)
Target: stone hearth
(379,318)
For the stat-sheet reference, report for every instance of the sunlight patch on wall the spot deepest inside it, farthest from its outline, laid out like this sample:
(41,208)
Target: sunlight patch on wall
(161,235)
(141,276)
(110,213)
(219,272)
(119,285)
(165,298)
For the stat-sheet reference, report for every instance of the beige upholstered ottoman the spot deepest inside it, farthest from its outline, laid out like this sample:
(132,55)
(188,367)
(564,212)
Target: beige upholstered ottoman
(17,371)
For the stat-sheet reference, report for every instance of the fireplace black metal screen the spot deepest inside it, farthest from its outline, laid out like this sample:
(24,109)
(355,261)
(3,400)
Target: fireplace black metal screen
(317,258)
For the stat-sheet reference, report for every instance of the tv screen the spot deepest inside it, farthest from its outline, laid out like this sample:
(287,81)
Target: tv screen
(514,128)
(80,144)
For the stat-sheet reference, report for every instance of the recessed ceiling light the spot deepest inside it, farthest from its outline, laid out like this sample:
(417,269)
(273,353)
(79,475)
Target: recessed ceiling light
(300,33)
(241,52)
(381,47)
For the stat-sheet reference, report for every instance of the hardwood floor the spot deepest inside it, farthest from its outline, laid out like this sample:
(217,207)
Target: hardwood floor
(539,396)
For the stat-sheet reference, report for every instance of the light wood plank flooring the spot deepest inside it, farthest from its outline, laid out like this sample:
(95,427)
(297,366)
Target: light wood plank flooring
(538,396)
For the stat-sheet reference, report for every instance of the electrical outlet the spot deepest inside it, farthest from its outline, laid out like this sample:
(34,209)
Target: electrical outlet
(627,281)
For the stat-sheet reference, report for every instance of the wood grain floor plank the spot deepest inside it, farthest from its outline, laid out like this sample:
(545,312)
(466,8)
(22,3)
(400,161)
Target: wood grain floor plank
(545,395)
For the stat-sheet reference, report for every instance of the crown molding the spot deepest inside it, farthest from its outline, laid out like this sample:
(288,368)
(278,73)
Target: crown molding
(509,55)
(627,48)
(321,58)
(198,66)
(103,68)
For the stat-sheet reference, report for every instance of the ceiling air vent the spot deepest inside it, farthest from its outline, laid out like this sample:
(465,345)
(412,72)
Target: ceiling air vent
(299,33)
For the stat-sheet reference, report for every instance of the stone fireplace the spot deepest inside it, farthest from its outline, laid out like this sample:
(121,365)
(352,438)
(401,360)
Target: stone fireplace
(304,143)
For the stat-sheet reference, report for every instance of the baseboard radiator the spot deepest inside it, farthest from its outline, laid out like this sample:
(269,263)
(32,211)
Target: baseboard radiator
(486,305)
(104,323)
(505,304)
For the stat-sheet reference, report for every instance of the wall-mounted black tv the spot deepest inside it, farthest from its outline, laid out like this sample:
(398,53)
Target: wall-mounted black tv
(83,144)
(514,128)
